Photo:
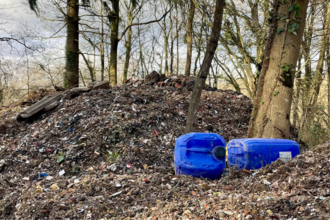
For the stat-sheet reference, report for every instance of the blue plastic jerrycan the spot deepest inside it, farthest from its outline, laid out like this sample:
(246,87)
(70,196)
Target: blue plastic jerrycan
(200,155)
(254,153)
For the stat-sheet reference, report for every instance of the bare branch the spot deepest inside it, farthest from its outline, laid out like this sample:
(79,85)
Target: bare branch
(10,39)
(149,22)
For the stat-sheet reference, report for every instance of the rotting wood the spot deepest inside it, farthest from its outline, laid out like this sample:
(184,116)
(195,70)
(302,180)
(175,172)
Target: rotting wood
(82,89)
(39,106)
(99,85)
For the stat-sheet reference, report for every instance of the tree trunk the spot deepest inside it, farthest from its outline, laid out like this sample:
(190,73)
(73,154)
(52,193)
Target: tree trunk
(102,43)
(189,37)
(94,63)
(114,41)
(328,58)
(128,46)
(297,94)
(199,45)
(307,50)
(177,40)
(165,47)
(172,43)
(141,53)
(271,114)
(89,66)
(205,68)
(1,95)
(82,78)
(71,76)
(215,80)
(196,60)
(128,43)
(314,91)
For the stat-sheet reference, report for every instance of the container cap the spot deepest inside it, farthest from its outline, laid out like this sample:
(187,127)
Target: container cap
(220,152)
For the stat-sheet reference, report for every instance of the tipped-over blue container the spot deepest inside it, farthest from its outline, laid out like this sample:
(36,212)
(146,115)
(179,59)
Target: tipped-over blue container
(200,155)
(254,153)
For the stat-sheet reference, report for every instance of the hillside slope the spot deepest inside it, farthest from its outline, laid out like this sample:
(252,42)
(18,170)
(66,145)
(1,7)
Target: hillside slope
(109,153)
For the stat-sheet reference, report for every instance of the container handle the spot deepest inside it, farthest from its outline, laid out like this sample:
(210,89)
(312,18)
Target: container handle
(202,150)
(209,137)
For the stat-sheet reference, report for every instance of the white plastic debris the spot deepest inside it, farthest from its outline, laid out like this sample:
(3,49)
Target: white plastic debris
(226,212)
(113,167)
(116,194)
(266,182)
(62,172)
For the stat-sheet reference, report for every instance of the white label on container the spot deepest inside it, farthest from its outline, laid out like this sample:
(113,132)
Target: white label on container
(285,156)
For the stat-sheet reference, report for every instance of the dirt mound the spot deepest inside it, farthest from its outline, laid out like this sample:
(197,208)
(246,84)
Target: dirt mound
(139,124)
(108,153)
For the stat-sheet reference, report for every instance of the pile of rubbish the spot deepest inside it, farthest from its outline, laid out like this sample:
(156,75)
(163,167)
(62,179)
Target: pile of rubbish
(298,189)
(177,81)
(103,152)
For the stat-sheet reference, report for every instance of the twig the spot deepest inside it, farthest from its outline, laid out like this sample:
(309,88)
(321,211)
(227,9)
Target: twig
(149,22)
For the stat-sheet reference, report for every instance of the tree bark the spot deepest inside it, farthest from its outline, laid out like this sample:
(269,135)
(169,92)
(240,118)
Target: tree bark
(90,68)
(189,37)
(307,50)
(128,46)
(141,61)
(272,105)
(82,78)
(71,75)
(199,45)
(205,68)
(114,41)
(128,43)
(328,58)
(1,95)
(102,43)
(172,43)
(165,47)
(297,94)
(177,40)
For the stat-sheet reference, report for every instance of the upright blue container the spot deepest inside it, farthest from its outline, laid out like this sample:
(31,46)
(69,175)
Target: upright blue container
(200,155)
(254,153)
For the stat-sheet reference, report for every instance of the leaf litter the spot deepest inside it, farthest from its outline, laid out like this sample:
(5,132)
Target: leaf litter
(108,154)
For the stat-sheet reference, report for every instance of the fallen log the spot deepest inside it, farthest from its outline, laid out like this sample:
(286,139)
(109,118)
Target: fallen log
(46,103)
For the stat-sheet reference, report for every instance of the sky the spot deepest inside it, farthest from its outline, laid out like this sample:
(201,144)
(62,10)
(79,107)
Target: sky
(18,10)
(16,19)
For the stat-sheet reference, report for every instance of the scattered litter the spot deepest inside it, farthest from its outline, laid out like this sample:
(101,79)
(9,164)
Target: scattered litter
(49,178)
(109,119)
(43,174)
(54,187)
(61,173)
(116,194)
(113,167)
(266,182)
